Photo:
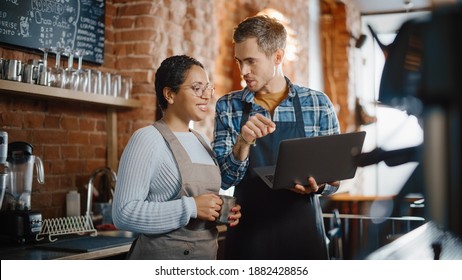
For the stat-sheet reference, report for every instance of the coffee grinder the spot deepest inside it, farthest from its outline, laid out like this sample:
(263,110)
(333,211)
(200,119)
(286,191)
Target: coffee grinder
(19,222)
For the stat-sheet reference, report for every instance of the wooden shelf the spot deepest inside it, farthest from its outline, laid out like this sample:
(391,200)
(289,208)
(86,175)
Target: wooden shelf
(111,104)
(18,88)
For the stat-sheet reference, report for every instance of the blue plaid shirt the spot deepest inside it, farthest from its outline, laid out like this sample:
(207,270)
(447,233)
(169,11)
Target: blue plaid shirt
(318,114)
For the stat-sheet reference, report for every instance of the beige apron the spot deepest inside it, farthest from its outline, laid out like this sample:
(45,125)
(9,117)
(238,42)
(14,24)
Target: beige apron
(199,239)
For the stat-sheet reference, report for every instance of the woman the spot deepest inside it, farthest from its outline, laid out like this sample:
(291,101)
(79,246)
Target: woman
(168,178)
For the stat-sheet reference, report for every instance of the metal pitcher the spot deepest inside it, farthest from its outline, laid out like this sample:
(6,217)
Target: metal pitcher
(12,69)
(31,71)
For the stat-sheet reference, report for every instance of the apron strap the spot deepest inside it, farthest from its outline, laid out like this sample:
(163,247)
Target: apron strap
(206,146)
(247,108)
(298,111)
(245,112)
(181,156)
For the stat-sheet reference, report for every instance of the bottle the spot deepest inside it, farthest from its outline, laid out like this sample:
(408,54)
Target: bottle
(72,204)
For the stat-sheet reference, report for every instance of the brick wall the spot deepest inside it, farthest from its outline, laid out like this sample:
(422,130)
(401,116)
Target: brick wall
(71,137)
(295,11)
(339,20)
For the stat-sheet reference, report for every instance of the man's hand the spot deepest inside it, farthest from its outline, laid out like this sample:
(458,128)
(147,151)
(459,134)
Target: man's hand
(257,126)
(312,187)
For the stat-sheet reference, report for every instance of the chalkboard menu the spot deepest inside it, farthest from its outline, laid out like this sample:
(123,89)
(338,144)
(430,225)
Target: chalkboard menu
(74,24)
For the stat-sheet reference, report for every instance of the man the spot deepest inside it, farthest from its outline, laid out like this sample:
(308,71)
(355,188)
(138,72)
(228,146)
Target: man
(249,125)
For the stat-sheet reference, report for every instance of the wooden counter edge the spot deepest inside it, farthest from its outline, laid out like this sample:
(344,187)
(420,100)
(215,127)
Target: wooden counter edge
(349,197)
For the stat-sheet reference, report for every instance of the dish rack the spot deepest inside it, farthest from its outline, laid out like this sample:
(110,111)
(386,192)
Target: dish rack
(66,225)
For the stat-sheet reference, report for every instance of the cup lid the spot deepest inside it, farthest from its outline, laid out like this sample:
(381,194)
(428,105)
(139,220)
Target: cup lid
(19,149)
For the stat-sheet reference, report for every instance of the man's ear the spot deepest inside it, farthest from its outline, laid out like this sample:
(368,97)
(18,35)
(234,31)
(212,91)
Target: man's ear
(279,56)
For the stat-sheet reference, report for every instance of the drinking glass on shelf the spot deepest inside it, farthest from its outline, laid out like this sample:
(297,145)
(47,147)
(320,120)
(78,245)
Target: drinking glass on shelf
(106,84)
(116,85)
(94,81)
(68,82)
(57,73)
(126,87)
(81,78)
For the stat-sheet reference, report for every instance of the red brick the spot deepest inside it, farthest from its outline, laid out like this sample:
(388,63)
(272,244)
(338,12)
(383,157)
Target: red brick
(86,152)
(57,167)
(69,123)
(94,164)
(52,152)
(78,138)
(149,21)
(50,136)
(50,121)
(73,165)
(69,151)
(101,126)
(100,152)
(123,22)
(140,62)
(137,9)
(143,48)
(97,139)
(87,124)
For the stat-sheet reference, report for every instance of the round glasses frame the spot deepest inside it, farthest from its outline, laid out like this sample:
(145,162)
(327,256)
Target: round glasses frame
(199,89)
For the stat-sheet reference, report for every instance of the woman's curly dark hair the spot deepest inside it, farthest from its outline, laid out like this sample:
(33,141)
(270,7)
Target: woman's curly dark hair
(172,73)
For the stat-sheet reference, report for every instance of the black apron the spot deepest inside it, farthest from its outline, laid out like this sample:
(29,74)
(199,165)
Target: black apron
(275,224)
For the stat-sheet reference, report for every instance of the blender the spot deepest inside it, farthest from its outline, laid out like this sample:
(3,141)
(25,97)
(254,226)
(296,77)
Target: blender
(3,167)
(20,221)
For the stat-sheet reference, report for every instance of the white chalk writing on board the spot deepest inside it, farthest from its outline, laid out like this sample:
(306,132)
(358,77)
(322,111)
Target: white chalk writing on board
(74,24)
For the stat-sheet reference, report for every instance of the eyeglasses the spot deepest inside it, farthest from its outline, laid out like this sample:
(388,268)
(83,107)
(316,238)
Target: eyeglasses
(199,89)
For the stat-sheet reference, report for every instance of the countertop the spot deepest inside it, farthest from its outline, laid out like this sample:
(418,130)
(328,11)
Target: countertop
(71,247)
(112,244)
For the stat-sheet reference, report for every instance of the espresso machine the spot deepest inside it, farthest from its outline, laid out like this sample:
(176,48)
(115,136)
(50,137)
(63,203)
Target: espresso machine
(422,77)
(19,222)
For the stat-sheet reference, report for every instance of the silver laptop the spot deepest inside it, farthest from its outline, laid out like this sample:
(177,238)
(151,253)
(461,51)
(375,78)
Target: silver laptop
(326,158)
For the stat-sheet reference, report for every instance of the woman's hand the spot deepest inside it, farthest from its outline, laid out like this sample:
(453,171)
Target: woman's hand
(208,206)
(234,218)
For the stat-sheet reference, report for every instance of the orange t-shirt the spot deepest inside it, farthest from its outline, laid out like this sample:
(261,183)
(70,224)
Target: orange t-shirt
(270,101)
